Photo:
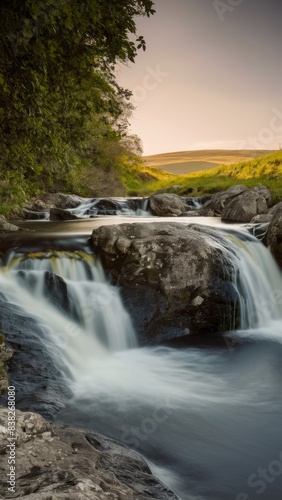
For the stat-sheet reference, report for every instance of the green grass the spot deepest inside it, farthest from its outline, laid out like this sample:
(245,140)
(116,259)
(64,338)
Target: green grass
(267,170)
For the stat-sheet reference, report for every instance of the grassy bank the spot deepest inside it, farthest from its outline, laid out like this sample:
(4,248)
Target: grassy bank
(144,180)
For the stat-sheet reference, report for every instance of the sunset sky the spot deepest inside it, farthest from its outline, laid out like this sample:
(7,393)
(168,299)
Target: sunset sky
(211,77)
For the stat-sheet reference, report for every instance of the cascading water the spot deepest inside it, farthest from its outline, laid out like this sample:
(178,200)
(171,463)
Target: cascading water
(206,420)
(94,312)
(134,207)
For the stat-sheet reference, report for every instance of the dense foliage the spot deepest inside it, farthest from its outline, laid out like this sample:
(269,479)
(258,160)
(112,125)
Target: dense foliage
(61,109)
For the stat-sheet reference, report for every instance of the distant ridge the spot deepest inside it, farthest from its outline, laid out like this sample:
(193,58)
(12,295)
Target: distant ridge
(185,162)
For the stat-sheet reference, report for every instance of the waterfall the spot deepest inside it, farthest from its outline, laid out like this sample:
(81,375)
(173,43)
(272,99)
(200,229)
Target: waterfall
(258,281)
(89,320)
(192,413)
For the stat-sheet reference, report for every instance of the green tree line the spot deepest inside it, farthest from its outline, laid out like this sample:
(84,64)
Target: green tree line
(62,112)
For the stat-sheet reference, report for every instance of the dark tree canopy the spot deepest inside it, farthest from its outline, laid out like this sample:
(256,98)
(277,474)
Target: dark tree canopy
(58,89)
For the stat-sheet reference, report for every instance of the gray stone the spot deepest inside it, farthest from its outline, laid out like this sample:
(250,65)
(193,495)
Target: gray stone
(240,204)
(6,226)
(248,204)
(61,214)
(62,462)
(274,236)
(5,355)
(273,209)
(162,269)
(55,200)
(219,200)
(199,212)
(261,219)
(167,205)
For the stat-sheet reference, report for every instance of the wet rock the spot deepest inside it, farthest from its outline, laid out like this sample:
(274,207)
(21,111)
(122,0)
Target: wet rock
(55,200)
(262,219)
(240,204)
(199,212)
(61,214)
(5,355)
(274,236)
(56,291)
(174,278)
(219,200)
(276,207)
(167,205)
(31,215)
(247,205)
(107,207)
(6,226)
(258,230)
(61,462)
(41,386)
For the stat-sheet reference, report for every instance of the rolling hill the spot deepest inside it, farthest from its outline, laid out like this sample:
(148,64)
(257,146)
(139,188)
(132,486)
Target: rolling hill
(185,162)
(143,180)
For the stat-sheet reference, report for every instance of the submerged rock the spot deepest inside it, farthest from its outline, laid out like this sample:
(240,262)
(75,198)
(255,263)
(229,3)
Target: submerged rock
(175,279)
(63,462)
(61,214)
(167,205)
(274,235)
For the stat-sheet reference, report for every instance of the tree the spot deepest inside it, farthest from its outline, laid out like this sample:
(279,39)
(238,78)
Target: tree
(56,74)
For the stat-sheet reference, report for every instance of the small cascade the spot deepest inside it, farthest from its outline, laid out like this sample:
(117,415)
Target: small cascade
(258,280)
(133,207)
(68,296)
(196,202)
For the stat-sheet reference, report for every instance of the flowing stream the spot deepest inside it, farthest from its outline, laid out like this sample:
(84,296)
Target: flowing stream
(207,419)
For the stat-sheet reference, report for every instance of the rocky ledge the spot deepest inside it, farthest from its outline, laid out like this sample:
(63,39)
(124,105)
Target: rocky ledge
(55,462)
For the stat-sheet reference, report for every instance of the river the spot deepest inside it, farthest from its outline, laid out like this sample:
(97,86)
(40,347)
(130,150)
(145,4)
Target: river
(205,413)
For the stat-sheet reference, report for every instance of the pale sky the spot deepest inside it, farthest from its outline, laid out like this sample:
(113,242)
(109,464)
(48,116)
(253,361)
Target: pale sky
(210,77)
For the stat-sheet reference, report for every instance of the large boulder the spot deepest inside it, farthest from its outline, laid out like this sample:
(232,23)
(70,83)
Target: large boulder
(248,204)
(219,200)
(167,205)
(175,279)
(274,235)
(276,207)
(239,204)
(65,463)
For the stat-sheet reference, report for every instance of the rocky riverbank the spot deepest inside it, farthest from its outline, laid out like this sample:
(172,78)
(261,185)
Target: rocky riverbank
(61,462)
